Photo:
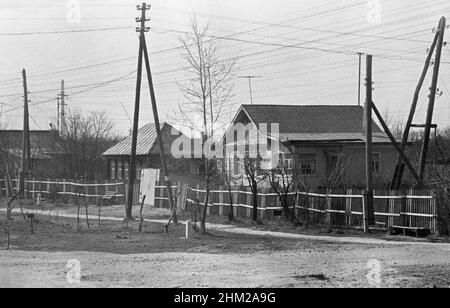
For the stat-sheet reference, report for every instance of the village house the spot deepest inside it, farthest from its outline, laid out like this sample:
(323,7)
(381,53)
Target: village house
(147,154)
(46,152)
(325,144)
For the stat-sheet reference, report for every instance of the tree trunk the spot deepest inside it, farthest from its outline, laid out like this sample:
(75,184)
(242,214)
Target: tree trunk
(255,201)
(231,215)
(205,206)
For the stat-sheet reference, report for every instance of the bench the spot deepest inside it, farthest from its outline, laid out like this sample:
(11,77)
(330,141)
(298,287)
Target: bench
(418,231)
(109,197)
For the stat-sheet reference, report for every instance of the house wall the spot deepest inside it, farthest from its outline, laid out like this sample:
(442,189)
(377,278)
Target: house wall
(354,159)
(178,166)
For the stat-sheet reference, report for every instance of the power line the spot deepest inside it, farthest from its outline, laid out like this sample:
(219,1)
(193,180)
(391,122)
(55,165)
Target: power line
(66,31)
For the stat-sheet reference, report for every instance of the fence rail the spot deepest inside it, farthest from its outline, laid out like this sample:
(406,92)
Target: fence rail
(3,188)
(68,189)
(344,208)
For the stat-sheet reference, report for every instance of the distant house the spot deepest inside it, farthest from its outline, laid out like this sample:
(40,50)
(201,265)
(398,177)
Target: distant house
(45,147)
(118,157)
(325,144)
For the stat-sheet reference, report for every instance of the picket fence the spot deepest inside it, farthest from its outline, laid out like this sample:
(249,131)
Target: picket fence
(342,208)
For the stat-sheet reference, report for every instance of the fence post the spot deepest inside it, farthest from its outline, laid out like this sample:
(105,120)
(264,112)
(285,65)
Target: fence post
(348,208)
(73,190)
(40,187)
(248,211)
(96,192)
(307,200)
(403,211)
(365,224)
(391,210)
(434,211)
(328,209)
(210,201)
(235,195)
(410,207)
(221,189)
(48,185)
(33,188)
(64,190)
(263,203)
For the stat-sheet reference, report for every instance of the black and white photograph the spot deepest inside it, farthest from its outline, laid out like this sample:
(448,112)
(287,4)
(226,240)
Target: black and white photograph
(224,152)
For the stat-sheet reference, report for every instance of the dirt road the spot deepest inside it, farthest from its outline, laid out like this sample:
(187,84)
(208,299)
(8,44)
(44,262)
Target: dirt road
(112,257)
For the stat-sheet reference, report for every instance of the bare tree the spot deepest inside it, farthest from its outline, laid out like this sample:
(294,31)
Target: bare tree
(87,137)
(207,94)
(338,166)
(228,180)
(284,180)
(254,178)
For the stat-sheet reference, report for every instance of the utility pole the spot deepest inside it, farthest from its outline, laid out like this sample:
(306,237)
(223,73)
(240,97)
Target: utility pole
(162,152)
(63,108)
(58,113)
(360,54)
(250,78)
(132,171)
(26,138)
(143,53)
(432,96)
(398,175)
(369,217)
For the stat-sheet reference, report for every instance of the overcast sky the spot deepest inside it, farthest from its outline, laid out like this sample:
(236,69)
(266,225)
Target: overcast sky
(321,69)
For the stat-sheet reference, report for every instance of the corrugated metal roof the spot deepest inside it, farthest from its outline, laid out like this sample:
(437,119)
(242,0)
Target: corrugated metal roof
(145,141)
(298,119)
(338,137)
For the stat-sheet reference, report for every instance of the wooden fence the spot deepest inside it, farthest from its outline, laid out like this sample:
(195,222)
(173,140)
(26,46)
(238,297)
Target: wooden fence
(343,208)
(3,189)
(67,190)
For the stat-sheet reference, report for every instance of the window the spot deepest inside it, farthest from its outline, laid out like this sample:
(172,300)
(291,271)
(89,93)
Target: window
(287,162)
(376,163)
(307,163)
(126,171)
(119,170)
(219,165)
(113,170)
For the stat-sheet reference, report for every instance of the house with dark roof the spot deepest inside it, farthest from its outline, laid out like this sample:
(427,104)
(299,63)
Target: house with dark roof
(326,144)
(147,153)
(45,147)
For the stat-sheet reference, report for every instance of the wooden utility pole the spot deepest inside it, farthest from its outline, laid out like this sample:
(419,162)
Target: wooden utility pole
(143,54)
(369,217)
(360,54)
(432,96)
(162,152)
(132,171)
(399,171)
(26,137)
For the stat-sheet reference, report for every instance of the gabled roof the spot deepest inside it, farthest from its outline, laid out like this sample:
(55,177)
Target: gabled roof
(323,123)
(310,119)
(147,137)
